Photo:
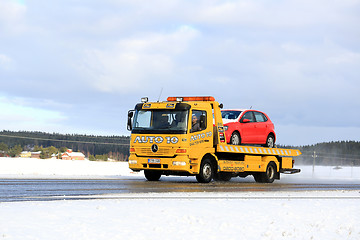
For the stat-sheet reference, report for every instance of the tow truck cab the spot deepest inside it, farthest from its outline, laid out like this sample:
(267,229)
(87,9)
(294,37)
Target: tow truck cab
(164,136)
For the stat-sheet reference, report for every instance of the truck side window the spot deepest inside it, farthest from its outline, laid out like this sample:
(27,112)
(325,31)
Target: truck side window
(198,121)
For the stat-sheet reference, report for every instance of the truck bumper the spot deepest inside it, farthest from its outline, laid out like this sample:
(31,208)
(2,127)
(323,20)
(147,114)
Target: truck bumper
(174,164)
(290,171)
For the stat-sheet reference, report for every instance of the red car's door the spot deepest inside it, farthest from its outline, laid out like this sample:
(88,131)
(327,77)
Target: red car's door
(261,128)
(248,128)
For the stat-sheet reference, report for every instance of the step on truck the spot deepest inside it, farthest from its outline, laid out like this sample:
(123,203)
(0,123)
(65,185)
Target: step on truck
(185,136)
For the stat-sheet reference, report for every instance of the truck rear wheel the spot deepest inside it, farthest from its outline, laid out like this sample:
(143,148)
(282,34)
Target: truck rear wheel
(268,176)
(151,175)
(206,171)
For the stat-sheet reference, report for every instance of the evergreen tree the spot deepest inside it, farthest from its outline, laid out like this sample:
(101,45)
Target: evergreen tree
(4,147)
(15,151)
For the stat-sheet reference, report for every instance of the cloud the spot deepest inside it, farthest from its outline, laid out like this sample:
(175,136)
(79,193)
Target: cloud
(12,16)
(6,62)
(137,62)
(294,13)
(296,60)
(16,115)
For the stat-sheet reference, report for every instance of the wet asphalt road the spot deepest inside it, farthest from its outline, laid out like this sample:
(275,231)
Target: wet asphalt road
(14,190)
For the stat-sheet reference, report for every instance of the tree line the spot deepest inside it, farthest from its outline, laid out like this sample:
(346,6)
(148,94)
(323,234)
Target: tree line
(117,147)
(329,153)
(12,143)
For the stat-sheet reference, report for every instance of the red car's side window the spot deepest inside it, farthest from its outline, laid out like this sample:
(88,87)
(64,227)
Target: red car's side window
(260,117)
(249,116)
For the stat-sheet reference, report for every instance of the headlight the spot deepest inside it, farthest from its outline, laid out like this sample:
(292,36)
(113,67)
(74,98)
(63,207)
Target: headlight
(132,162)
(177,163)
(226,128)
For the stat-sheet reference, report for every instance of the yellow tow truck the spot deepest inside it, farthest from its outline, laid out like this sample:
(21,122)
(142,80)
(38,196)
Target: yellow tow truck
(185,136)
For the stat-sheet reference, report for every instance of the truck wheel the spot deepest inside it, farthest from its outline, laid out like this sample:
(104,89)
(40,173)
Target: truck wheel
(270,141)
(268,176)
(206,171)
(223,176)
(152,175)
(235,138)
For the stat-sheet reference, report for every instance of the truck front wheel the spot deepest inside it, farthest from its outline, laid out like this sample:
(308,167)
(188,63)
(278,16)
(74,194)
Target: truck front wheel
(206,171)
(152,175)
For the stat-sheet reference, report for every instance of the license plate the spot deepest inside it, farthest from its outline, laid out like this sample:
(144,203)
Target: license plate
(151,160)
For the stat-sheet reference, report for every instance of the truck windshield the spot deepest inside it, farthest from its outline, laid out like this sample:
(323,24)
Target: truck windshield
(160,121)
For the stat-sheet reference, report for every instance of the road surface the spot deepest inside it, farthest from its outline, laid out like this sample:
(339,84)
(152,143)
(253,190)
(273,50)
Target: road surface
(12,190)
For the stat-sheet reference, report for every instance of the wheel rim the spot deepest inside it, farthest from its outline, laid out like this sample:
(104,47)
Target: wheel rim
(235,139)
(207,171)
(270,142)
(270,172)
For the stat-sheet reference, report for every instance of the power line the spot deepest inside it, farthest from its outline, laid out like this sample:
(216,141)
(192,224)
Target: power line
(331,154)
(332,157)
(63,140)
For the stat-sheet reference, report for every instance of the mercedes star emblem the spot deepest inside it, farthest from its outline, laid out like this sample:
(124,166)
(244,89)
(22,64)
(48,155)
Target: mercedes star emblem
(154,148)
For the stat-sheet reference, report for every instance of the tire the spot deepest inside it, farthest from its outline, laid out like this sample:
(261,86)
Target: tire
(268,176)
(151,175)
(206,171)
(270,141)
(235,138)
(223,176)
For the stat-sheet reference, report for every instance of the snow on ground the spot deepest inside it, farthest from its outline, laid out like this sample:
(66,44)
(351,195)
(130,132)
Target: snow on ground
(240,215)
(45,168)
(55,168)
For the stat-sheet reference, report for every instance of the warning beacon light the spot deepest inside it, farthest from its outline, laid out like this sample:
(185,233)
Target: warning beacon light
(180,99)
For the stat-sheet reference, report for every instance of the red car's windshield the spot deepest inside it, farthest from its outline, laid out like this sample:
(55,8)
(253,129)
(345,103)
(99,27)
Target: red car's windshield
(230,114)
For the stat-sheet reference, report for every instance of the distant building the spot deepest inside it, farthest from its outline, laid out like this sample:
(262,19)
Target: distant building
(70,155)
(35,154)
(25,154)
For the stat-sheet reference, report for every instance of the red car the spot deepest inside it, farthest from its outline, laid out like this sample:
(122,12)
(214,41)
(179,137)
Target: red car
(247,126)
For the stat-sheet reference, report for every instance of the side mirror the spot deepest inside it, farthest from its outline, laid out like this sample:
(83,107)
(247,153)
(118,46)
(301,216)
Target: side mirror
(245,121)
(202,122)
(129,122)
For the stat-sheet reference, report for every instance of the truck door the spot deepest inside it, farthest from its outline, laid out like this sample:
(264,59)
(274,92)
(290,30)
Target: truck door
(201,129)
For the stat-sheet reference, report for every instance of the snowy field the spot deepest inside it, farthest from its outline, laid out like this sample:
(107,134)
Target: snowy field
(241,215)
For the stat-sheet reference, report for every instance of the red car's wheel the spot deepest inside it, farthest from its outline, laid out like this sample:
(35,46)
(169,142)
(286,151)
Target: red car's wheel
(270,141)
(235,138)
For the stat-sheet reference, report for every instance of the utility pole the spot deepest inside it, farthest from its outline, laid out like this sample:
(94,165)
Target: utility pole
(313,168)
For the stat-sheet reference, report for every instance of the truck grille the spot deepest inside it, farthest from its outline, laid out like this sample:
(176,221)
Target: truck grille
(163,151)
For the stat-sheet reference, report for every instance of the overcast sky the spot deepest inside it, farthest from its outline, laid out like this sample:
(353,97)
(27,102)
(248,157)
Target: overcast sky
(78,66)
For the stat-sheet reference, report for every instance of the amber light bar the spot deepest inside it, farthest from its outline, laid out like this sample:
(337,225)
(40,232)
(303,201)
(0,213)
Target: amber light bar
(176,99)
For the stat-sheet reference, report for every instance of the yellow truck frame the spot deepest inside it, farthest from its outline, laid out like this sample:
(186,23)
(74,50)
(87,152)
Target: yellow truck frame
(203,153)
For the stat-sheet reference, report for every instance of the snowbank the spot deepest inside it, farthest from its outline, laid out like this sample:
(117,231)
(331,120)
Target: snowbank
(43,168)
(54,168)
